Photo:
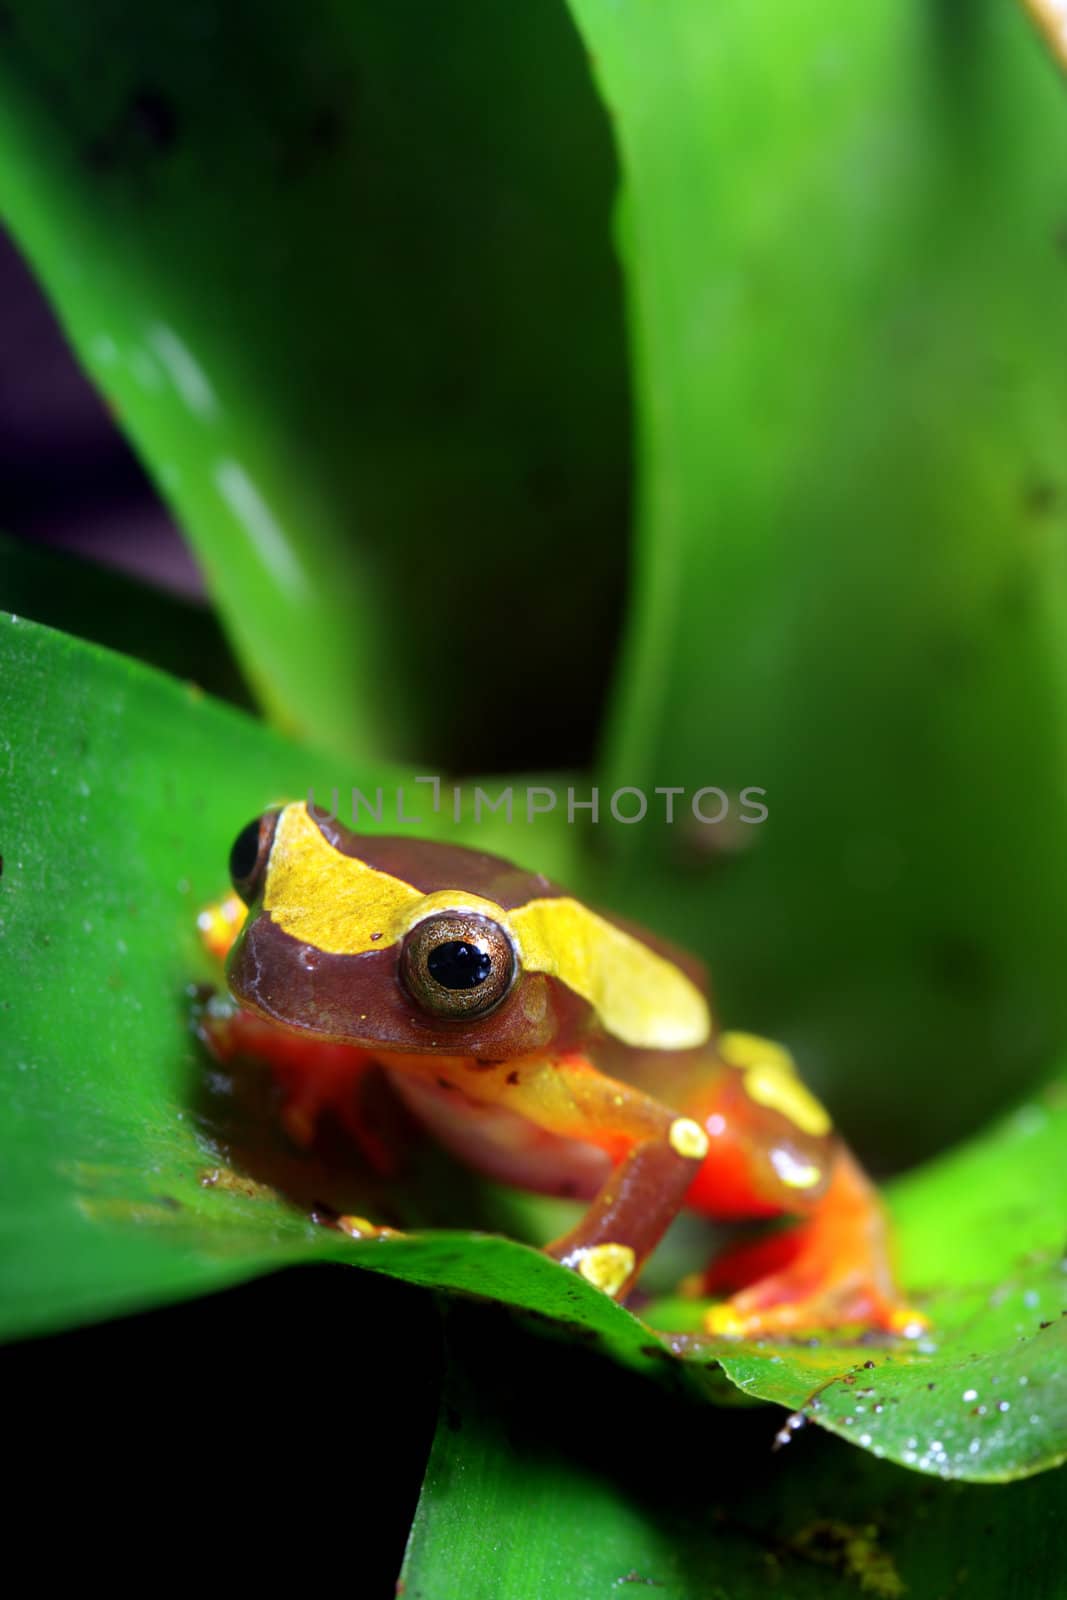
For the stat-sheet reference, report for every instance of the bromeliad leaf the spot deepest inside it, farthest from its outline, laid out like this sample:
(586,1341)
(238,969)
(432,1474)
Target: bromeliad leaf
(843,235)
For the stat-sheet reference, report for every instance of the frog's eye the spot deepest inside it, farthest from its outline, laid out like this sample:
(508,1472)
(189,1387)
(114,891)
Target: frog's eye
(457,965)
(248,855)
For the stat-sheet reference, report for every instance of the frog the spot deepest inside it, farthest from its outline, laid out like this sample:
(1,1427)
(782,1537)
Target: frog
(553,1047)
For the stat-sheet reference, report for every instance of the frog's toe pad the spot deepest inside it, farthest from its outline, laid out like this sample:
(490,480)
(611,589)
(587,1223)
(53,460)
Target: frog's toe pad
(360,1228)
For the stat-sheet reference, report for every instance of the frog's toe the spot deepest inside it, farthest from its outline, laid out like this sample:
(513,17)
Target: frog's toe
(360,1228)
(770,1311)
(726,1322)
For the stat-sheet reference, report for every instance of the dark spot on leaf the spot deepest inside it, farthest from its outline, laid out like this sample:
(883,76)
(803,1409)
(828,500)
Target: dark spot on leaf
(453,1420)
(513,1079)
(1041,497)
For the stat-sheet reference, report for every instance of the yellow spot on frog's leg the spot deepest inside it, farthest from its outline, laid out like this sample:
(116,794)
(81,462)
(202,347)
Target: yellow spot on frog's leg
(724,1322)
(771,1080)
(688,1139)
(220,923)
(360,1228)
(908,1322)
(794,1174)
(783,1091)
(607,1266)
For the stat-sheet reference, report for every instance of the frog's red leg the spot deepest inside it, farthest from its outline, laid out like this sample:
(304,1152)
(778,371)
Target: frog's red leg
(656,1153)
(831,1269)
(314,1077)
(772,1153)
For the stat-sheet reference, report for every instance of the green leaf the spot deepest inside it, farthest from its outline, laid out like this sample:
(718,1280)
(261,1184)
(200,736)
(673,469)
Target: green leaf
(557,1476)
(844,245)
(332,273)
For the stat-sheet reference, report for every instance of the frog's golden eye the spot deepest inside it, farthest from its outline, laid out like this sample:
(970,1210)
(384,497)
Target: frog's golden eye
(248,855)
(457,964)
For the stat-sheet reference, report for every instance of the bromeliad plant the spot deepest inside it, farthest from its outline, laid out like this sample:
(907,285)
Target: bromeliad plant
(354,302)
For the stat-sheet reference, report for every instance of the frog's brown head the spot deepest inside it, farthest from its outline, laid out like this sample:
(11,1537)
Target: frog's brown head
(407,945)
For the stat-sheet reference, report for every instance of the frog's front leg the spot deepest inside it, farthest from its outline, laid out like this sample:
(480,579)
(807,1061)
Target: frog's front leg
(314,1077)
(656,1152)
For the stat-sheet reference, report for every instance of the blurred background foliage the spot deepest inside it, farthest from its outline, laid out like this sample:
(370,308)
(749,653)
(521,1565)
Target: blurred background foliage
(396,304)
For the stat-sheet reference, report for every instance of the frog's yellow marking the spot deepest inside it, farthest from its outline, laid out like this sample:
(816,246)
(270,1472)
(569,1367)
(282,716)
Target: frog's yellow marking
(639,996)
(336,903)
(907,1322)
(220,923)
(725,1323)
(749,1050)
(771,1080)
(360,1228)
(793,1173)
(688,1139)
(607,1266)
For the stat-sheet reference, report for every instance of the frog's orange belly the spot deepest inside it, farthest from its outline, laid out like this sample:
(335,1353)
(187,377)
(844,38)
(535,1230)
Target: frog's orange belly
(495,1142)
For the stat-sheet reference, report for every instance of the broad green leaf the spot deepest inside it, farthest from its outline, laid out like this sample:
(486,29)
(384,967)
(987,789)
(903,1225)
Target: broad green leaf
(134,1171)
(558,1477)
(843,233)
(345,277)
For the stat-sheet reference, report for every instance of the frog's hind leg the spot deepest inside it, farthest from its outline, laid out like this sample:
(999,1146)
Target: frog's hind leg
(773,1154)
(829,1270)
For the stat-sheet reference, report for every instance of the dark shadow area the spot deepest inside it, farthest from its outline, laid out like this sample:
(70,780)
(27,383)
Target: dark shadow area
(280,1426)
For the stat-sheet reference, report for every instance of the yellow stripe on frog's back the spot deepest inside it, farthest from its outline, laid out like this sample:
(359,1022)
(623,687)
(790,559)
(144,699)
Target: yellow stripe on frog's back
(342,906)
(640,996)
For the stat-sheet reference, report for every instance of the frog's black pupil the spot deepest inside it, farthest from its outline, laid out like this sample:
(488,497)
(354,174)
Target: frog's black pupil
(245,853)
(458,965)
